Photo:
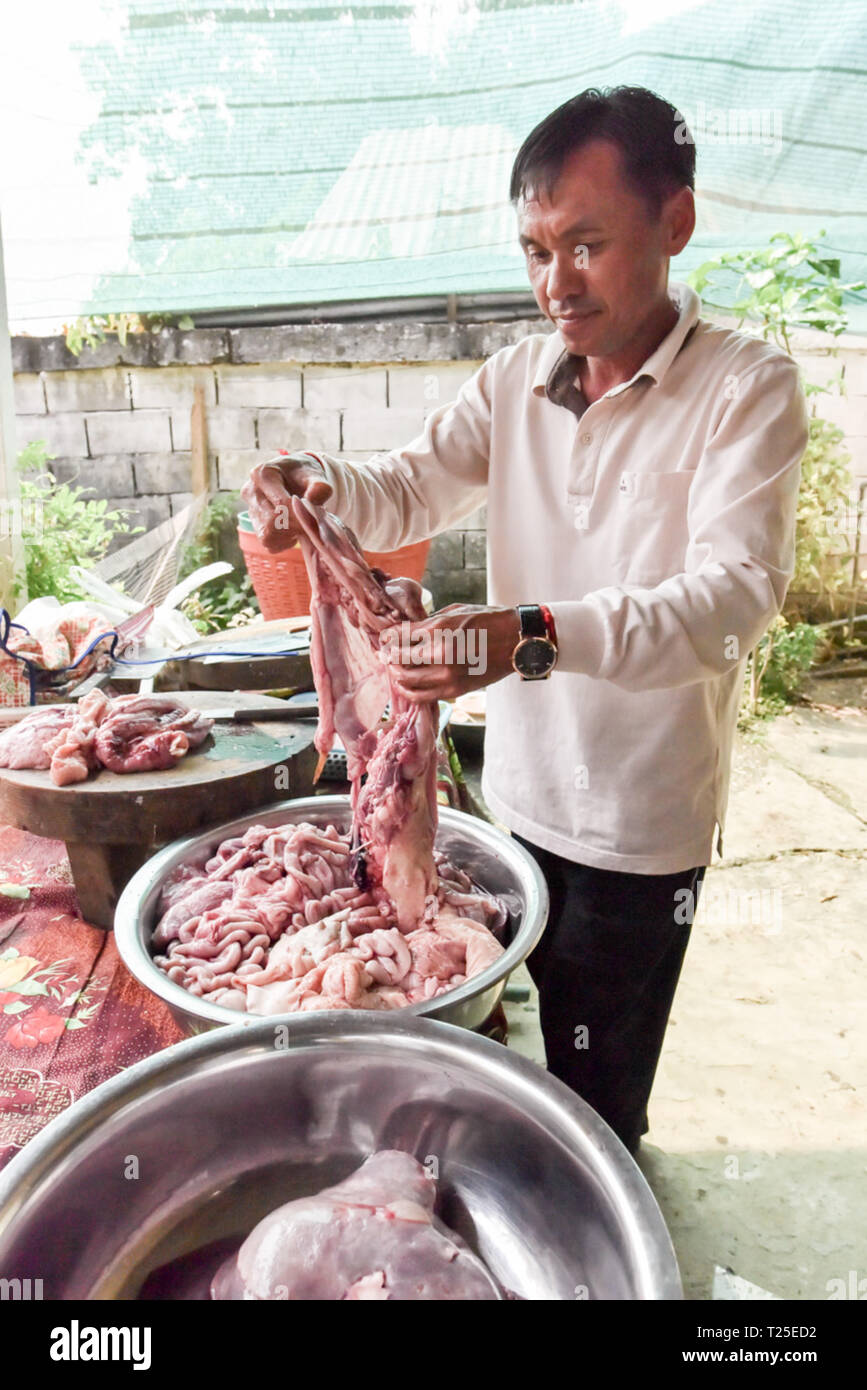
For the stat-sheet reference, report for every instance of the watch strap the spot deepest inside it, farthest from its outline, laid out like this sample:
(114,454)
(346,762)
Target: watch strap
(532,620)
(550,629)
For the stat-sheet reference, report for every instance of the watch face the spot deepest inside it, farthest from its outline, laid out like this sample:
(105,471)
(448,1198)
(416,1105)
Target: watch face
(535,656)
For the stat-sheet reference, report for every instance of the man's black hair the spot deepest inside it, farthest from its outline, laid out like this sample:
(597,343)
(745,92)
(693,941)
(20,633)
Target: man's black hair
(641,124)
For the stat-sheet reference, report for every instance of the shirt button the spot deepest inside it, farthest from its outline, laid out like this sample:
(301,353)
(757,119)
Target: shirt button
(582,516)
(587,439)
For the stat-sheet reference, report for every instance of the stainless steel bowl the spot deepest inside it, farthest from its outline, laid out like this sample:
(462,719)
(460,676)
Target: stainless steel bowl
(201,1141)
(498,864)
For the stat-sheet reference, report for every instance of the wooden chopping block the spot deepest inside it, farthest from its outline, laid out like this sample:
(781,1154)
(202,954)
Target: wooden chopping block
(113,822)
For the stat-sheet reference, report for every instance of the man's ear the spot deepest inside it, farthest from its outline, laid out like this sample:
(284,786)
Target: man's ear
(679,216)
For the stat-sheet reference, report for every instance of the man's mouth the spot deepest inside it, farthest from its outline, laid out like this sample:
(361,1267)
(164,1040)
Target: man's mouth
(575,318)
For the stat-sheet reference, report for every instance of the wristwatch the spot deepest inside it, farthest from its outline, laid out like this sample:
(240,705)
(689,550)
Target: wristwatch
(535,656)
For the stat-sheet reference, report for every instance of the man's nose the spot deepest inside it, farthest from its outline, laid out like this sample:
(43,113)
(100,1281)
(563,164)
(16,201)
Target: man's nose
(564,279)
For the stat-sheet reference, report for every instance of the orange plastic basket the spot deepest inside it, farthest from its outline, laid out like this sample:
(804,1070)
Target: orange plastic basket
(281,582)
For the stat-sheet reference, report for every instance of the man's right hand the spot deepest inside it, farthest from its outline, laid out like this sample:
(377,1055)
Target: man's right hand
(268,492)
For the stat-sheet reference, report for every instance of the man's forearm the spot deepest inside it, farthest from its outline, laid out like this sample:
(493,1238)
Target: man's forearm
(690,628)
(376,501)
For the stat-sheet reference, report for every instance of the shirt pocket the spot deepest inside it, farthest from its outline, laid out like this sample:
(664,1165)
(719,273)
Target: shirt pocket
(652,532)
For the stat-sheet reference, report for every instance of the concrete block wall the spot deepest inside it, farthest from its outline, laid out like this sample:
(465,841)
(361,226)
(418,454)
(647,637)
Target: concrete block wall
(117,418)
(122,427)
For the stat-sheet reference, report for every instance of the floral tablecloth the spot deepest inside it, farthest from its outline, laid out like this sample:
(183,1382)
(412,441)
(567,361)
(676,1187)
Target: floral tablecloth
(71,1015)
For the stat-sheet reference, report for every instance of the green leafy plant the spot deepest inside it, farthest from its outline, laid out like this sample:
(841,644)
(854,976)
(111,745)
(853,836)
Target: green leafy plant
(92,329)
(791,285)
(63,527)
(786,285)
(778,664)
(822,578)
(228,601)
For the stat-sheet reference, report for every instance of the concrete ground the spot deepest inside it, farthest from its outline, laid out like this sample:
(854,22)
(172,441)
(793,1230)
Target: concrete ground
(757,1151)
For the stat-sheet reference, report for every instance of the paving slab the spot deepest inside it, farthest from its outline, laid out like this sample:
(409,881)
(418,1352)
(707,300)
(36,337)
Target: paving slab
(828,749)
(757,1150)
(790,1222)
(775,809)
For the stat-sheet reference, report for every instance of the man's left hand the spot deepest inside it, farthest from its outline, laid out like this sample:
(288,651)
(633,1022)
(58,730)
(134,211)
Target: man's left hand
(461,648)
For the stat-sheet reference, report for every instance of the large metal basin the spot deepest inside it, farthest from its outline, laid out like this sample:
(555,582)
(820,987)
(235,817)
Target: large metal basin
(225,1127)
(498,864)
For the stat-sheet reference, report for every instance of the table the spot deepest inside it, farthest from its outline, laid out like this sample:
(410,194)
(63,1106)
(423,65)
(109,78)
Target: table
(112,822)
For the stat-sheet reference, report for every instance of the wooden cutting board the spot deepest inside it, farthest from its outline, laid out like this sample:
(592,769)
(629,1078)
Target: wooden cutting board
(113,822)
(252,673)
(265,672)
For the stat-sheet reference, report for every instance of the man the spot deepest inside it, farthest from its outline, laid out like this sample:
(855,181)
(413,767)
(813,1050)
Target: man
(641,469)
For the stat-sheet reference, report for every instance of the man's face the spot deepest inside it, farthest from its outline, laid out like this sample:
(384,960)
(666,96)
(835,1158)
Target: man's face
(597,263)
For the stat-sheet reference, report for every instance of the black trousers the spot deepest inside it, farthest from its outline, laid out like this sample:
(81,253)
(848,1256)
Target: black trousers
(606,969)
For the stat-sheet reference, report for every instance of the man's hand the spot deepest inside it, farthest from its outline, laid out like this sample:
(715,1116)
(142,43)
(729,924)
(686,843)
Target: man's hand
(463,647)
(268,493)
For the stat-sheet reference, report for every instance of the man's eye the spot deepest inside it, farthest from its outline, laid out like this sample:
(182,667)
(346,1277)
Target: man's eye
(537,255)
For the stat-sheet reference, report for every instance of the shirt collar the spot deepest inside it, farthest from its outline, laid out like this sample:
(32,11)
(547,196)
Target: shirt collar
(554,372)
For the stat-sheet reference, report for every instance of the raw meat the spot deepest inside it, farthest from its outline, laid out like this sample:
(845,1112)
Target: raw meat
(395,812)
(275,923)
(373,1236)
(202,894)
(300,917)
(134,733)
(73,755)
(146,733)
(25,744)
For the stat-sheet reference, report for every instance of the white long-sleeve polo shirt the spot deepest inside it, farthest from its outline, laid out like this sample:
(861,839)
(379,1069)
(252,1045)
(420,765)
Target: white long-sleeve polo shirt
(658,525)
